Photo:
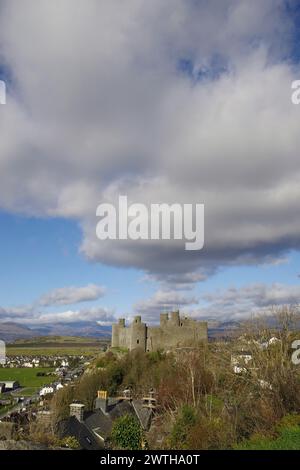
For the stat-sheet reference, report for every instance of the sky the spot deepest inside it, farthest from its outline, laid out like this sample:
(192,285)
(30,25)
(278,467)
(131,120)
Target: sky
(180,101)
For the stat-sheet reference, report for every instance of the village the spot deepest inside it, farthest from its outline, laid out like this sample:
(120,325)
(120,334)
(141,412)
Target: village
(28,382)
(66,401)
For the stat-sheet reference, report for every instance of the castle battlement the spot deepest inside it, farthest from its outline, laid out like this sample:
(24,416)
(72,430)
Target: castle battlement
(173,331)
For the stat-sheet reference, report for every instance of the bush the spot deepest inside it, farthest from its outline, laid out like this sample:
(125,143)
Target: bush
(287,437)
(126,433)
(180,431)
(71,442)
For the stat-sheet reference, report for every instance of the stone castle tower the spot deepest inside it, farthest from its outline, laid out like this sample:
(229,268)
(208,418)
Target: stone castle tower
(173,331)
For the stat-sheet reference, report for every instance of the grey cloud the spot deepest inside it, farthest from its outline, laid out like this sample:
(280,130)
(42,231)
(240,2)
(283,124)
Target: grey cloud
(241,303)
(163,301)
(100,106)
(224,304)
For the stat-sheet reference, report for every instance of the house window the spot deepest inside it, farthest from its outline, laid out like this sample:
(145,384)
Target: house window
(137,341)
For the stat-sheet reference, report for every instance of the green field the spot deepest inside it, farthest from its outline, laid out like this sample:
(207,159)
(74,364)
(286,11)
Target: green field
(57,345)
(27,377)
(49,352)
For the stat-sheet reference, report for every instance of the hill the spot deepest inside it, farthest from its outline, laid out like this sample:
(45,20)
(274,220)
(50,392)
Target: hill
(10,331)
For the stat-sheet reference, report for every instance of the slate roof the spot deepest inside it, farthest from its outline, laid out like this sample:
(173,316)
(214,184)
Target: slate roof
(86,439)
(120,409)
(144,414)
(97,424)
(97,420)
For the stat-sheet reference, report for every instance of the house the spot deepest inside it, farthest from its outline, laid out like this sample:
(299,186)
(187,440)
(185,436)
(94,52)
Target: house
(46,390)
(92,429)
(11,385)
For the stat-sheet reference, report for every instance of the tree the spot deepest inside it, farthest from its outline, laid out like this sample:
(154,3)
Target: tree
(126,433)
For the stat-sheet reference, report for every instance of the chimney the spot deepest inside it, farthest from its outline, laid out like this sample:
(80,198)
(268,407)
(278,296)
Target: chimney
(77,410)
(102,400)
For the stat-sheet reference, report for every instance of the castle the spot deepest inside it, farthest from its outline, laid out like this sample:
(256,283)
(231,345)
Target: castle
(173,332)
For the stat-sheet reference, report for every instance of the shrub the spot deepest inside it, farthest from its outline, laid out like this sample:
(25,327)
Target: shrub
(71,442)
(182,425)
(126,433)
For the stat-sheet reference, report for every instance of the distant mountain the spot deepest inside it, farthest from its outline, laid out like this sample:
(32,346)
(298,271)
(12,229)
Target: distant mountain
(81,328)
(222,329)
(10,331)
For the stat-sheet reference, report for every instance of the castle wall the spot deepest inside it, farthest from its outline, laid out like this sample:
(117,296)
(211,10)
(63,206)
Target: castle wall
(120,335)
(115,336)
(138,332)
(173,331)
(124,338)
(175,336)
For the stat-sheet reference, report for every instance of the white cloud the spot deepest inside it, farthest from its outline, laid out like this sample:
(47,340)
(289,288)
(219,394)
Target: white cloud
(101,107)
(30,316)
(241,303)
(100,315)
(72,295)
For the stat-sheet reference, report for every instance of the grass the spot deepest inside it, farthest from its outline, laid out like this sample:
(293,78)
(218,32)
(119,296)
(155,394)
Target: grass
(26,392)
(4,409)
(60,340)
(56,346)
(27,377)
(288,437)
(51,351)
(119,350)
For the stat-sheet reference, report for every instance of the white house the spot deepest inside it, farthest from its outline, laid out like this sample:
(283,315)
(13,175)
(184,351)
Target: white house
(46,391)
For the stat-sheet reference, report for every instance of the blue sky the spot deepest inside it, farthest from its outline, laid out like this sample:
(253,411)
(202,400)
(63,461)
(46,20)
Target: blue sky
(180,101)
(39,255)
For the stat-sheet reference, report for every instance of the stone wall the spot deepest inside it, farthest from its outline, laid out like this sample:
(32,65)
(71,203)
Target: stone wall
(173,331)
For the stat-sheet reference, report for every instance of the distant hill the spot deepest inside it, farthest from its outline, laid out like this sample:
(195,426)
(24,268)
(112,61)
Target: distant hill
(81,328)
(10,331)
(222,329)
